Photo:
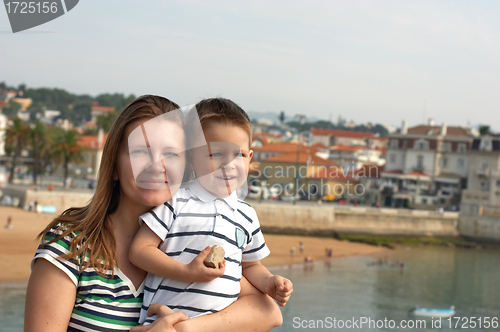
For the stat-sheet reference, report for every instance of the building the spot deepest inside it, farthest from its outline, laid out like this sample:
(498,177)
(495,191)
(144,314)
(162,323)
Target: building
(482,195)
(270,150)
(3,128)
(24,102)
(331,137)
(97,110)
(369,177)
(354,157)
(94,145)
(313,177)
(426,166)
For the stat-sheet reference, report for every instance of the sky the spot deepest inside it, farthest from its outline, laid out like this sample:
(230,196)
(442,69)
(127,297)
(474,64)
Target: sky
(367,61)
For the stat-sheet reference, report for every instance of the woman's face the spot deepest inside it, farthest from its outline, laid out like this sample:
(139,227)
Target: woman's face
(151,161)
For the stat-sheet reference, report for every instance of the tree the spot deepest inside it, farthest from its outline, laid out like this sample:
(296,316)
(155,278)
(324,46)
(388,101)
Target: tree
(116,100)
(40,145)
(21,88)
(484,129)
(282,117)
(105,121)
(16,139)
(65,149)
(12,108)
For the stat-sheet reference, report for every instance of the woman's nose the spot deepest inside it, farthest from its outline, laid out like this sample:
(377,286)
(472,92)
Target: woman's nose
(157,166)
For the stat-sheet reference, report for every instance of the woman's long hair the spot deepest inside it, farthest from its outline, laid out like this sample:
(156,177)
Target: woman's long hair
(95,242)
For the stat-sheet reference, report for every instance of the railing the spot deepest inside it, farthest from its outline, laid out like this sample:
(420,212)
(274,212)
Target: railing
(483,172)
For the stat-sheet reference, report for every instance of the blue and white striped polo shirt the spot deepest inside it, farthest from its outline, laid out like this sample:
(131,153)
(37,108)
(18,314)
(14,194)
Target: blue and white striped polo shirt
(191,221)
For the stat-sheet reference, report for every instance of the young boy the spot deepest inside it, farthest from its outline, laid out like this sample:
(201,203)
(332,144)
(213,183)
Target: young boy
(203,213)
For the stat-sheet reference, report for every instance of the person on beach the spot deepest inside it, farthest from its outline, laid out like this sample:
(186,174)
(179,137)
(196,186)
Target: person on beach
(82,279)
(8,225)
(206,212)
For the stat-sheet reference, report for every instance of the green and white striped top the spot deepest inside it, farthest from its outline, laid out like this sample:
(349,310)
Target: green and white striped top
(108,303)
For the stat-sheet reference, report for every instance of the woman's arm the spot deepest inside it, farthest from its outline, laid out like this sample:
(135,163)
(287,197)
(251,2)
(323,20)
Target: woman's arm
(50,298)
(253,311)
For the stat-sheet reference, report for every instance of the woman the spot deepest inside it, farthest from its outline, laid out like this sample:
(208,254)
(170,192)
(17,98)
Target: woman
(81,277)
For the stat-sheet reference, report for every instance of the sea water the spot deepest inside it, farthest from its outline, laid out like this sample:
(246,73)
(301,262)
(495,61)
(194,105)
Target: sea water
(349,289)
(358,289)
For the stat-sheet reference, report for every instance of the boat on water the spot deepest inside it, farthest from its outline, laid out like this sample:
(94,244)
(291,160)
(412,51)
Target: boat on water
(429,312)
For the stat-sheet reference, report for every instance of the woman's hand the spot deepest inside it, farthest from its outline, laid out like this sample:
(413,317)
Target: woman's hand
(165,322)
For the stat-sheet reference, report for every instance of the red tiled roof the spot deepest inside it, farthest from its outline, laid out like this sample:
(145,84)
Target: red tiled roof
(436,130)
(261,139)
(303,159)
(417,173)
(90,141)
(331,174)
(99,108)
(342,133)
(265,134)
(285,148)
(319,146)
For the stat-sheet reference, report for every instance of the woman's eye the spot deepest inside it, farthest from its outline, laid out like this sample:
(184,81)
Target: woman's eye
(139,151)
(216,155)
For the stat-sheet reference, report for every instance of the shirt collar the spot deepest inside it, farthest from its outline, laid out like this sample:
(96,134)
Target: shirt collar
(205,196)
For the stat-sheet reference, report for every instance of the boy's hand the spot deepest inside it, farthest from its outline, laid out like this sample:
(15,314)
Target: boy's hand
(196,271)
(279,289)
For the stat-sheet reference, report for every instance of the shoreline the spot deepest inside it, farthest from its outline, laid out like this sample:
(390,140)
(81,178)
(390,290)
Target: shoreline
(18,245)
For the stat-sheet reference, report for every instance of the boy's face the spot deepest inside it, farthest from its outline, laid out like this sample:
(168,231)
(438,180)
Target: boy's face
(223,167)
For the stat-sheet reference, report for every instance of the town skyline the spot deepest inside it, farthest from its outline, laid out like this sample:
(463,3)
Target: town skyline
(381,62)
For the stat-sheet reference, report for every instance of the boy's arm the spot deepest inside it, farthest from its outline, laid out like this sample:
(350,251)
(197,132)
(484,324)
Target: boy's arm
(275,286)
(144,253)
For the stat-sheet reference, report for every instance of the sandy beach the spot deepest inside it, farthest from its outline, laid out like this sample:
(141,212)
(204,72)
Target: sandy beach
(18,245)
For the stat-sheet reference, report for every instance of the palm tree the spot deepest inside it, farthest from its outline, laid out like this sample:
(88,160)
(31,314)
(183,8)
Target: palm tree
(16,139)
(40,145)
(65,149)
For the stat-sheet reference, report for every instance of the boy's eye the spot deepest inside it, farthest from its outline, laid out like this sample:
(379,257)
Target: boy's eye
(216,155)
(239,154)
(171,154)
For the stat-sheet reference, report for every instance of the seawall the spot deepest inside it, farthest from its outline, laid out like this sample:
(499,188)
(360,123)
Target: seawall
(329,219)
(480,228)
(322,220)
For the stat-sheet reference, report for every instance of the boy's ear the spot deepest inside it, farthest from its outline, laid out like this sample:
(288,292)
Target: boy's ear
(250,154)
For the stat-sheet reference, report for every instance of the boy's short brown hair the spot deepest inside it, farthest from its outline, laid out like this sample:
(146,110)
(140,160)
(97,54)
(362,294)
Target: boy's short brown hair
(223,111)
